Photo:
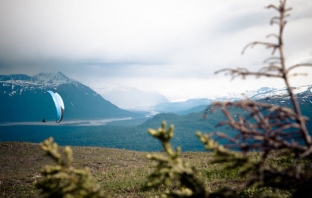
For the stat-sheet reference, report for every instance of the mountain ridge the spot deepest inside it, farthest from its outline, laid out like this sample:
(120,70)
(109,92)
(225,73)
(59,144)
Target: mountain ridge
(23,99)
(264,93)
(19,84)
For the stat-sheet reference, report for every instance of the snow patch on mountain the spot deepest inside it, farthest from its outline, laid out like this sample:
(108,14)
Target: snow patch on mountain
(18,83)
(282,92)
(127,97)
(52,78)
(262,93)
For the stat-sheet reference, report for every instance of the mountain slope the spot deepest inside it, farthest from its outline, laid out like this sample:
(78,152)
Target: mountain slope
(23,98)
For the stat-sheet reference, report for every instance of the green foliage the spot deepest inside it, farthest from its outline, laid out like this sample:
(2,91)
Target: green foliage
(62,179)
(171,170)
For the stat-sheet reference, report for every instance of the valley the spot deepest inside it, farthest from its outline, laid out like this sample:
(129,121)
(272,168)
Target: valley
(91,120)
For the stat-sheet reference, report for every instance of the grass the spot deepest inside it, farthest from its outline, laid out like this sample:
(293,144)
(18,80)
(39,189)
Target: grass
(121,173)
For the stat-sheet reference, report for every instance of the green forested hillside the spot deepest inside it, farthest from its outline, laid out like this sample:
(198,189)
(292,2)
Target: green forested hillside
(126,135)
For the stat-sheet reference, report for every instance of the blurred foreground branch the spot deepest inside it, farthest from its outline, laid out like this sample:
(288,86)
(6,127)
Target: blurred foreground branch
(63,180)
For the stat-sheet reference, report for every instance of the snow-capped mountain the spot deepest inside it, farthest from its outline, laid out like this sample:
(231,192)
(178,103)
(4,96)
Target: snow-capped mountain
(23,98)
(53,78)
(17,84)
(277,96)
(262,93)
(277,92)
(281,97)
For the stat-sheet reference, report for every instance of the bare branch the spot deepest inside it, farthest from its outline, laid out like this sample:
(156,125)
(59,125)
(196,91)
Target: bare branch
(268,45)
(270,69)
(287,15)
(298,74)
(306,153)
(272,6)
(275,20)
(269,124)
(271,58)
(243,72)
(272,35)
(298,65)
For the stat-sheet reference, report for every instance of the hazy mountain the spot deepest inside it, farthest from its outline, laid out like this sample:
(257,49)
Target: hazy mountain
(180,107)
(132,98)
(23,98)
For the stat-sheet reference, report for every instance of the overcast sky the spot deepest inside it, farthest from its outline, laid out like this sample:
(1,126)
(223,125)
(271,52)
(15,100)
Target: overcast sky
(169,46)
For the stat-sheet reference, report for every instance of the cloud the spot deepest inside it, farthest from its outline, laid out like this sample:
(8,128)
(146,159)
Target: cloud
(142,42)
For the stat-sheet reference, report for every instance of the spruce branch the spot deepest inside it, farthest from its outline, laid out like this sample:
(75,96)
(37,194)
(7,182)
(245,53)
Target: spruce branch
(171,169)
(62,179)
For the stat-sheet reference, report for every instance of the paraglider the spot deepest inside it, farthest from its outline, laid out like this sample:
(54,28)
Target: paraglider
(59,105)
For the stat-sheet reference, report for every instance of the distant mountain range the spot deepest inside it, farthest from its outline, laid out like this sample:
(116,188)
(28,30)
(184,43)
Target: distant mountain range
(134,99)
(273,95)
(123,135)
(188,122)
(23,98)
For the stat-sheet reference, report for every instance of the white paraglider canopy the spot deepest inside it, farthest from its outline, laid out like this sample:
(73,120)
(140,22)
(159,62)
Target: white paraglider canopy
(59,105)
